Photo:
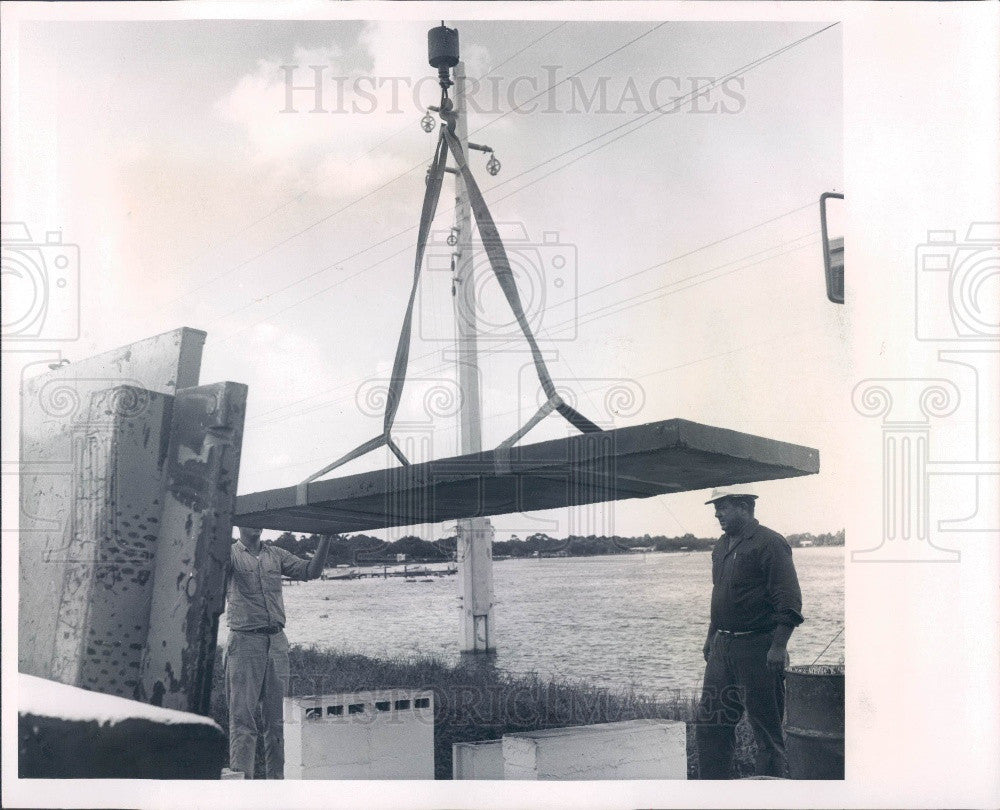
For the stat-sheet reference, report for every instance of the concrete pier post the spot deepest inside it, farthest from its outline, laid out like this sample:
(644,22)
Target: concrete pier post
(475,535)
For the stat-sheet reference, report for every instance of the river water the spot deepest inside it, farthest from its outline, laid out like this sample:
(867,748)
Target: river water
(635,620)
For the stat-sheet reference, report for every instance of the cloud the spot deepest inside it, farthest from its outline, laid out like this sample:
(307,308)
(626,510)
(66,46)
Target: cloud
(340,121)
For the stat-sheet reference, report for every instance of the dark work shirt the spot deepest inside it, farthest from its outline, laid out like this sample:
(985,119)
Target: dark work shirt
(754,586)
(253,595)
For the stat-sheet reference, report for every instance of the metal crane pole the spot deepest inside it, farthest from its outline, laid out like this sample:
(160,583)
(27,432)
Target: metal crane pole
(475,535)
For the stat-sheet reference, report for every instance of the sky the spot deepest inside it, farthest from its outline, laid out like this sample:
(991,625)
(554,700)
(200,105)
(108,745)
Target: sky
(209,184)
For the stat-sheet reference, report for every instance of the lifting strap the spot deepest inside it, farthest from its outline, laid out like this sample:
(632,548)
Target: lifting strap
(501,268)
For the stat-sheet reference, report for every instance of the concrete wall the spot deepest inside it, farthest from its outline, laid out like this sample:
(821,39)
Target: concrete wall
(633,749)
(386,734)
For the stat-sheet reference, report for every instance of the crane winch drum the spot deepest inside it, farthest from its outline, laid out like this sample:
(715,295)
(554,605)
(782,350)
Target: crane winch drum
(442,47)
(442,53)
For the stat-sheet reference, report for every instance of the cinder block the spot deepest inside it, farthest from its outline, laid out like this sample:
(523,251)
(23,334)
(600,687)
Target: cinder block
(477,760)
(69,733)
(199,494)
(386,734)
(633,749)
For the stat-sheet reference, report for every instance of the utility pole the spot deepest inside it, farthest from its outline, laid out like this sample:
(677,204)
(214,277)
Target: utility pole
(475,535)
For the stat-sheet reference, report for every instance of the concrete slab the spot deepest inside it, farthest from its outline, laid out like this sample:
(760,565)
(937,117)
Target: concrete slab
(57,444)
(632,749)
(188,589)
(632,462)
(69,733)
(477,760)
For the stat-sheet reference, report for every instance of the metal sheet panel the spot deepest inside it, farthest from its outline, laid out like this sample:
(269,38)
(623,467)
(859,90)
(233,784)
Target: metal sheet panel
(55,421)
(674,455)
(196,528)
(106,564)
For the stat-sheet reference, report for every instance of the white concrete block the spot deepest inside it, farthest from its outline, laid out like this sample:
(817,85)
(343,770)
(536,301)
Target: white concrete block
(633,749)
(384,734)
(477,760)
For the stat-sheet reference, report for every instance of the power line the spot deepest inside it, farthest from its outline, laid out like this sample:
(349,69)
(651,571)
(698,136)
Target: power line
(552,87)
(588,292)
(676,102)
(683,99)
(518,53)
(350,204)
(600,312)
(408,171)
(748,347)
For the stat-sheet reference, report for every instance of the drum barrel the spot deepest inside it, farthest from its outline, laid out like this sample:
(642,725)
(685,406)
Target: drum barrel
(814,721)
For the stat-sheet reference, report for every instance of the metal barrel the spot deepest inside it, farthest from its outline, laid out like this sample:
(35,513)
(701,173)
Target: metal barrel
(814,721)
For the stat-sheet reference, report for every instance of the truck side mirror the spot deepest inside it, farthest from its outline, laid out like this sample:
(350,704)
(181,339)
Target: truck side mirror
(833,253)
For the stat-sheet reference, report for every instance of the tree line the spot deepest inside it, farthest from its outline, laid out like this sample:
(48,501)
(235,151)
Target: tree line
(363,549)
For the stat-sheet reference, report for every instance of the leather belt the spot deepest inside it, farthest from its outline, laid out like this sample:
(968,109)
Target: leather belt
(742,632)
(263,631)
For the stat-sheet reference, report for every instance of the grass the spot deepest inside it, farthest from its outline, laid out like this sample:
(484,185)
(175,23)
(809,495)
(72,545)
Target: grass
(474,701)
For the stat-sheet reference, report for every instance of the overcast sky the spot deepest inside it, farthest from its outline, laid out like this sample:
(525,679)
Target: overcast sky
(692,283)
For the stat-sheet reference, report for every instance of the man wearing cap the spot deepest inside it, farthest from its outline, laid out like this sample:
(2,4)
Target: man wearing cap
(756,603)
(257,653)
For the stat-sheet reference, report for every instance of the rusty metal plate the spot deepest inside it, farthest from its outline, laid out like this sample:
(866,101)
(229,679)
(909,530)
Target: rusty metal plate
(196,526)
(632,462)
(105,568)
(59,436)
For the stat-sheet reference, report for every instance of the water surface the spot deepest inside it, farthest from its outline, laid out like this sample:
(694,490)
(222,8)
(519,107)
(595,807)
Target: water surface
(628,620)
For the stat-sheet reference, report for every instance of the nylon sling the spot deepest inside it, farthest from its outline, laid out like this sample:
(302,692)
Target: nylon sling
(500,265)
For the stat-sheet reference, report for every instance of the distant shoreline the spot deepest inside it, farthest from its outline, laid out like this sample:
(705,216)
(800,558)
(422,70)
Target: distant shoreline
(366,550)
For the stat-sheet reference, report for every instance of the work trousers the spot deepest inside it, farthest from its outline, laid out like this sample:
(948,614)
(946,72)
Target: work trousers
(256,674)
(736,680)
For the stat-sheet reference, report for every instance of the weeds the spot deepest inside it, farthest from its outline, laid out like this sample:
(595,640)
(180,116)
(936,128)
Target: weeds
(475,701)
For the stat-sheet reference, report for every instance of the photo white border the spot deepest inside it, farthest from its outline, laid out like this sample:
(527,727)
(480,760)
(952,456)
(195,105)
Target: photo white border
(922,114)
